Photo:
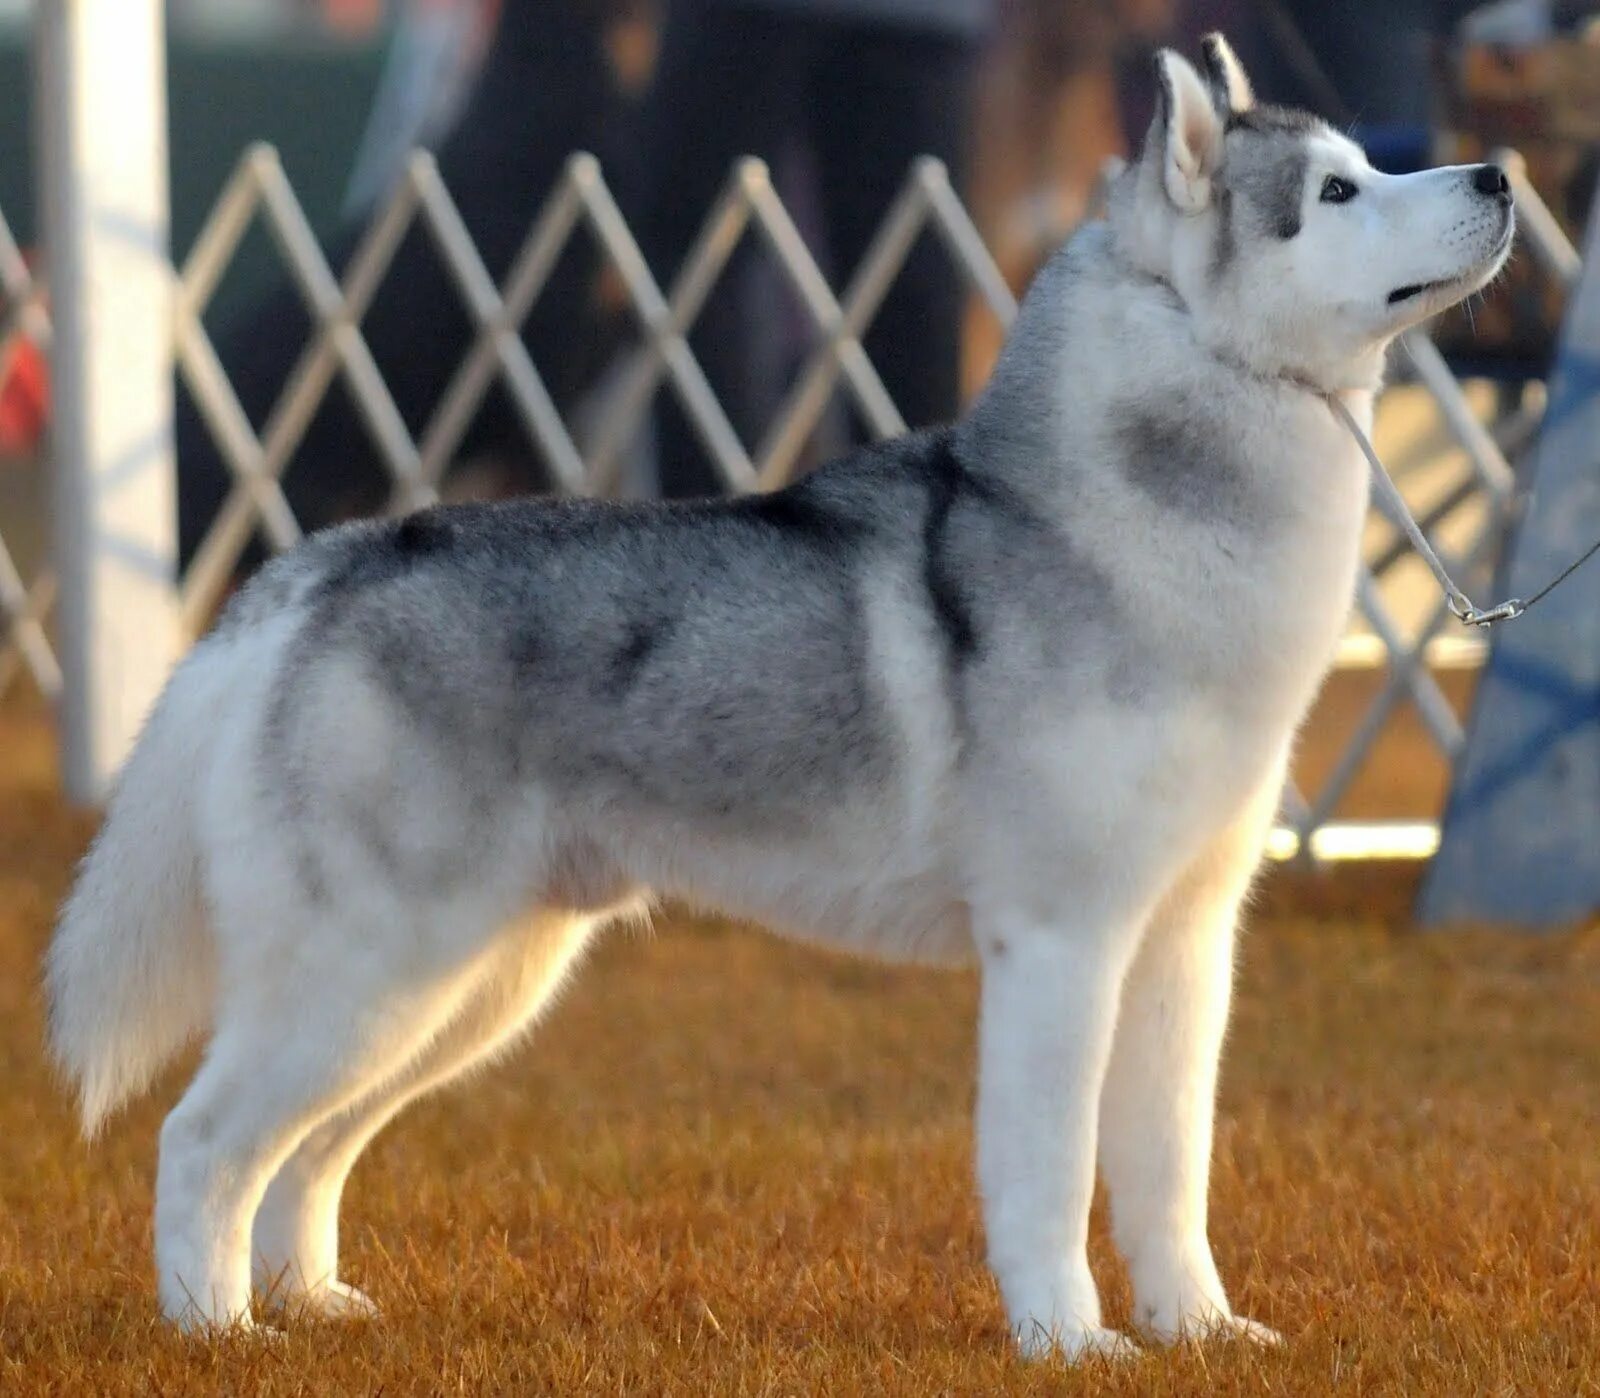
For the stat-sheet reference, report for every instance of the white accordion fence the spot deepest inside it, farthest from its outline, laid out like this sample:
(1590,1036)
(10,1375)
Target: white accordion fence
(581,205)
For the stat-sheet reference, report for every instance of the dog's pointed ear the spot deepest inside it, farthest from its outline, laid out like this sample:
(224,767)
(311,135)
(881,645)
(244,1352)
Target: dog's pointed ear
(1230,88)
(1187,132)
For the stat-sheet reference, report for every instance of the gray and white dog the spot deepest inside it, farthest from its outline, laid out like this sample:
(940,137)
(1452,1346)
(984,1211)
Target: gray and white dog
(1022,688)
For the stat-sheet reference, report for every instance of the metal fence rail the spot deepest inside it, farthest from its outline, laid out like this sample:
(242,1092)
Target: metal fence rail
(336,347)
(582,205)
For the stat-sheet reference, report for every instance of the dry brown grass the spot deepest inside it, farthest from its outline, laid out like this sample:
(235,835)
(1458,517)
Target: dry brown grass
(728,1166)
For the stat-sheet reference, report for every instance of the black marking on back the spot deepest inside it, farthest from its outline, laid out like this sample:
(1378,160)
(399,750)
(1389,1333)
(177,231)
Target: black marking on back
(373,557)
(628,661)
(802,509)
(426,531)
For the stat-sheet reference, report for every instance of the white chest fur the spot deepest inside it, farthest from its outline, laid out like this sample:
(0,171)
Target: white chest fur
(1232,544)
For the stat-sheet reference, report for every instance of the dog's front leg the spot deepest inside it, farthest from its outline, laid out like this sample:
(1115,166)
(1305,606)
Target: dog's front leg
(1049,1006)
(1159,1099)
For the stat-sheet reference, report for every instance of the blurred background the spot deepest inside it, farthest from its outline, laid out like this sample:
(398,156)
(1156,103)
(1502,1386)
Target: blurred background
(1024,100)
(577,383)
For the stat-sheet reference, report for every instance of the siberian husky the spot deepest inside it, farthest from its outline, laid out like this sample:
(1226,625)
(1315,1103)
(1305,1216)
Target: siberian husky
(1022,689)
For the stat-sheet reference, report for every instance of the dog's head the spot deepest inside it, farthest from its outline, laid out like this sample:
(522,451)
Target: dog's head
(1293,255)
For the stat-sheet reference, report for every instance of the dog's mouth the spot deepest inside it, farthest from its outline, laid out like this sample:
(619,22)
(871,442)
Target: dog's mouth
(1411,290)
(1405,293)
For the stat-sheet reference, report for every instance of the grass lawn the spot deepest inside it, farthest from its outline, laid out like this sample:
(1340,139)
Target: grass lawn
(725,1165)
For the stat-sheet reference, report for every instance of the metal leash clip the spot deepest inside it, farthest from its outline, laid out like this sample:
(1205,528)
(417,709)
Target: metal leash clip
(1468,615)
(1395,507)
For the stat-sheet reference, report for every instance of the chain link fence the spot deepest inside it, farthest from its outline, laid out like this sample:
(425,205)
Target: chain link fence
(662,360)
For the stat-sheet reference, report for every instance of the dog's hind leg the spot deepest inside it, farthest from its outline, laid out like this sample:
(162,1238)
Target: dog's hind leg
(300,1036)
(1160,1093)
(296,1235)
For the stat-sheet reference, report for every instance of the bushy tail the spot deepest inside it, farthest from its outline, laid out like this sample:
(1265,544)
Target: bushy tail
(129,976)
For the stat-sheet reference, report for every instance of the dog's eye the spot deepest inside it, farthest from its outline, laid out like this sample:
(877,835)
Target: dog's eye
(1337,191)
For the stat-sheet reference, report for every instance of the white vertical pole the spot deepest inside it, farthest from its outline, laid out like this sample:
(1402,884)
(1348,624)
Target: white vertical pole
(100,98)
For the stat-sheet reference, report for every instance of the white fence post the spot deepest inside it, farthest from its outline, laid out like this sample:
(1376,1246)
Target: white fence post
(100,99)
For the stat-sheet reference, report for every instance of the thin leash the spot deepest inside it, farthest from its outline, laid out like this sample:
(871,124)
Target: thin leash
(1458,601)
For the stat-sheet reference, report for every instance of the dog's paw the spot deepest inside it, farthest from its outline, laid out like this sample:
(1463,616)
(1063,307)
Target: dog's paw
(1240,1327)
(1210,1322)
(337,1300)
(329,1300)
(1074,1343)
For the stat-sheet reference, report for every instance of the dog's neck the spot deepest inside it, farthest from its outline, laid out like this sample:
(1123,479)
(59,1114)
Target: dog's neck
(1289,378)
(1362,381)
(1349,383)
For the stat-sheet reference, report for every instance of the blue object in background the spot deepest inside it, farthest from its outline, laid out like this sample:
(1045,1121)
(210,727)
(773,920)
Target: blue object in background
(1521,840)
(1396,148)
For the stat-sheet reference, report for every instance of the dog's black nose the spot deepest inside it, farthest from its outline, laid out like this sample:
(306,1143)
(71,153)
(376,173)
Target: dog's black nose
(1491,180)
